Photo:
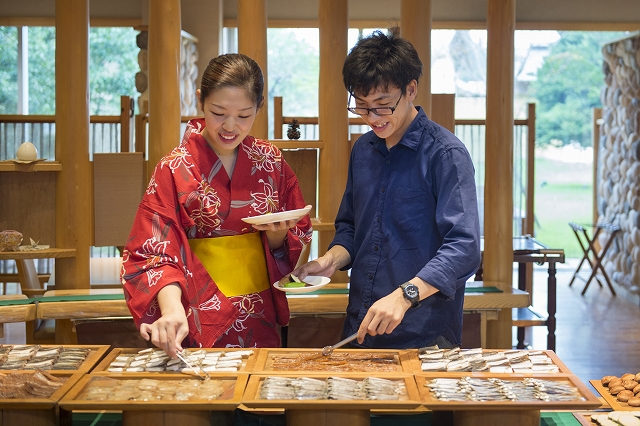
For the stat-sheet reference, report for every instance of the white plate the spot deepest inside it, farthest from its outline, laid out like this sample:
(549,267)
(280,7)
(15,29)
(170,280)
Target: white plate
(315,282)
(277,217)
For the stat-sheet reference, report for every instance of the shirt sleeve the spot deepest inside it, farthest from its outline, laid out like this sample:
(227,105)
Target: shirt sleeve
(457,219)
(154,255)
(345,223)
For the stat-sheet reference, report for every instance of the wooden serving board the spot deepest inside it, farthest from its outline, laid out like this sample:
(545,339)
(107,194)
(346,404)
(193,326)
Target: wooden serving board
(103,368)
(416,363)
(252,398)
(233,383)
(71,379)
(264,363)
(611,399)
(93,357)
(590,400)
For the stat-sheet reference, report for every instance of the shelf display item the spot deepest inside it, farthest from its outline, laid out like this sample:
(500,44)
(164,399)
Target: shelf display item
(622,393)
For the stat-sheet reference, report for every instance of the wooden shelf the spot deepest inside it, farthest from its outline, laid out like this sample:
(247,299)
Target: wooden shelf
(41,166)
(38,254)
(322,226)
(297,144)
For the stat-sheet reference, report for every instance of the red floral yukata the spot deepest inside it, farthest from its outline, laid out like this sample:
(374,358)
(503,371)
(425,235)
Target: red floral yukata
(189,196)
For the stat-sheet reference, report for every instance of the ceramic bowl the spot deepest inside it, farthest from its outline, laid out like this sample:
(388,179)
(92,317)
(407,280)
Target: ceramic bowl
(10,240)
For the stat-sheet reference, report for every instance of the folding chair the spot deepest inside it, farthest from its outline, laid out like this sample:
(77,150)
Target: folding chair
(590,254)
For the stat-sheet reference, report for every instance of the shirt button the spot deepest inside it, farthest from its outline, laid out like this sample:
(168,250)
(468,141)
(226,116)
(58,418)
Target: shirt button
(370,276)
(382,190)
(388,162)
(375,248)
(366,306)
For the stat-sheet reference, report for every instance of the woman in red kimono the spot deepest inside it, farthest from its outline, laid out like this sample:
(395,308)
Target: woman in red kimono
(194,274)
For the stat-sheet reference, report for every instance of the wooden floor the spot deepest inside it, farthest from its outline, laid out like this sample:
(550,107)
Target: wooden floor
(597,334)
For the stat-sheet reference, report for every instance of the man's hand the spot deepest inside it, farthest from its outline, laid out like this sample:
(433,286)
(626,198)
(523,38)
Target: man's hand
(384,315)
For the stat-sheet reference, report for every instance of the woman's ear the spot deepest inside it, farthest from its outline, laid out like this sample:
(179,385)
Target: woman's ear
(198,93)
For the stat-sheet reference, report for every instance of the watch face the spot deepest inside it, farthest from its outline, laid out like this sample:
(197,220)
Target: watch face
(411,291)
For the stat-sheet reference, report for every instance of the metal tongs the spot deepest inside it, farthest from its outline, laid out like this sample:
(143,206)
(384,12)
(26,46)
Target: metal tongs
(327,350)
(197,372)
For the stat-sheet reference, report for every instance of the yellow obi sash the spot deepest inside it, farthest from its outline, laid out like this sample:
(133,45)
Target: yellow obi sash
(236,263)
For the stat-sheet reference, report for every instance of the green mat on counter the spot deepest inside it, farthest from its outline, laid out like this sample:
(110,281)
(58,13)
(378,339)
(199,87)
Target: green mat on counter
(81,297)
(346,291)
(242,418)
(9,302)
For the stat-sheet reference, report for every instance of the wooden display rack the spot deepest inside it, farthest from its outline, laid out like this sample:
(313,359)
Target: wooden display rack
(264,362)
(330,412)
(611,399)
(159,413)
(36,411)
(485,413)
(103,368)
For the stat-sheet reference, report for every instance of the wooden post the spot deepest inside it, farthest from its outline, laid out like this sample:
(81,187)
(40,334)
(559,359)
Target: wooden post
(332,116)
(73,184)
(164,79)
(277,117)
(596,116)
(415,16)
(125,123)
(252,41)
(529,225)
(498,189)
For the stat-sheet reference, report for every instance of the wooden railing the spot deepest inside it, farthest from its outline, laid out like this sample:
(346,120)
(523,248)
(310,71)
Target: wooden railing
(472,133)
(107,133)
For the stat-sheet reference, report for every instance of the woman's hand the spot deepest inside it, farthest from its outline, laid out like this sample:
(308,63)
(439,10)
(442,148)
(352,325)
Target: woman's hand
(277,231)
(171,328)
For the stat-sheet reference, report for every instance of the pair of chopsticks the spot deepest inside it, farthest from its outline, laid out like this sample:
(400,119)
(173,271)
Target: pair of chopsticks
(198,371)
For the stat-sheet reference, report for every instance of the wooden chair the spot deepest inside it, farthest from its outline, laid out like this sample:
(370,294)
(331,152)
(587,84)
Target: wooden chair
(37,331)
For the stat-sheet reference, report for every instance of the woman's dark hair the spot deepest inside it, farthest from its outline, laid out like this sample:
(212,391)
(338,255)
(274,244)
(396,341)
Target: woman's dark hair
(379,61)
(233,70)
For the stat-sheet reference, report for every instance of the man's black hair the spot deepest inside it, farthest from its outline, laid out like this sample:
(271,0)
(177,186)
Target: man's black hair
(380,61)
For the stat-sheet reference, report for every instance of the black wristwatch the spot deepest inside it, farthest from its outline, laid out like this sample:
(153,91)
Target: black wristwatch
(411,293)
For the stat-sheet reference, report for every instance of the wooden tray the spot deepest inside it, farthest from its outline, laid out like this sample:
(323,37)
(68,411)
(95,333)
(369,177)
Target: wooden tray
(252,398)
(611,399)
(93,357)
(103,368)
(41,403)
(233,383)
(590,402)
(264,362)
(416,363)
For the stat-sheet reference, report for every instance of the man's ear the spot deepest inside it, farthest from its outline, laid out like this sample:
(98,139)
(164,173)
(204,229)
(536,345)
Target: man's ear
(412,90)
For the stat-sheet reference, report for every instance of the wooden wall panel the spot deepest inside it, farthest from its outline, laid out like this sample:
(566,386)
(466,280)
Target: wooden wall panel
(304,163)
(117,191)
(28,205)
(443,106)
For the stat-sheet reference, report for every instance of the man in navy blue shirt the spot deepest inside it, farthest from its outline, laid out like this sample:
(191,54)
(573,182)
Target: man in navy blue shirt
(408,221)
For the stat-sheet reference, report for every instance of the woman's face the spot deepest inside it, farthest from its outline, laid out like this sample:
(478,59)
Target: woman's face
(229,113)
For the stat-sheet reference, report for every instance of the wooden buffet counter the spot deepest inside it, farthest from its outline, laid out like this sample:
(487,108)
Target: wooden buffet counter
(350,385)
(13,310)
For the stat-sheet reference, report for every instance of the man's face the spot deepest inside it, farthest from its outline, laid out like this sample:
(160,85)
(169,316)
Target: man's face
(389,127)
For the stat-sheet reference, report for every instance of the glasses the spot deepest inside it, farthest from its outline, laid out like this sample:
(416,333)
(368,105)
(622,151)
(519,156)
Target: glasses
(380,111)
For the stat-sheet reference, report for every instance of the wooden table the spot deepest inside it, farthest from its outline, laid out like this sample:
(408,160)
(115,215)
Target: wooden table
(16,313)
(487,304)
